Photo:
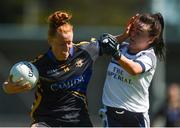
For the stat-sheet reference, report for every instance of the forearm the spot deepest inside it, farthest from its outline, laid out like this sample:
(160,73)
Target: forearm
(130,66)
(121,38)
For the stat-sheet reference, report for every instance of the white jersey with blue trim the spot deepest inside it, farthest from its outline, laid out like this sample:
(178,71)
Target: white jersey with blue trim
(123,90)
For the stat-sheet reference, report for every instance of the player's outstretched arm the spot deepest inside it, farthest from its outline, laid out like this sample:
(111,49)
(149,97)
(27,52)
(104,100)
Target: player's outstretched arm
(11,87)
(111,47)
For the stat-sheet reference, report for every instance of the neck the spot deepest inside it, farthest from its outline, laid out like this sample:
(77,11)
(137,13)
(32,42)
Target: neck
(136,50)
(133,51)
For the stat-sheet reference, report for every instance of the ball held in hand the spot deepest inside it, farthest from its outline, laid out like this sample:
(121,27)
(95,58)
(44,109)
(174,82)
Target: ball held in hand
(25,70)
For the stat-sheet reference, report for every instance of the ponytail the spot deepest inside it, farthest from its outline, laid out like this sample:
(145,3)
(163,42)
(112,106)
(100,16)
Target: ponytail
(159,45)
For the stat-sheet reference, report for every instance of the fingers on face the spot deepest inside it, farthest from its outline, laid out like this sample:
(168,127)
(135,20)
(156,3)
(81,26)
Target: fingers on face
(131,22)
(127,31)
(137,14)
(128,28)
(133,19)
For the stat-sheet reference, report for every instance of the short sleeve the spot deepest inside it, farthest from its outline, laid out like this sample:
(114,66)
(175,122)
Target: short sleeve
(147,61)
(91,47)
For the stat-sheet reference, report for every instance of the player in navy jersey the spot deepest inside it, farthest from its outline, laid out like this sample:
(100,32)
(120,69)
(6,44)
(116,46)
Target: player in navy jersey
(65,70)
(130,72)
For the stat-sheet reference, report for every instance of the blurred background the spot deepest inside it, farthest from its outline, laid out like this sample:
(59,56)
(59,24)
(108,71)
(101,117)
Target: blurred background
(23,36)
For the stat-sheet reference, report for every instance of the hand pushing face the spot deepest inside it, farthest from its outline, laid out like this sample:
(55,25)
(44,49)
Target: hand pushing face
(139,36)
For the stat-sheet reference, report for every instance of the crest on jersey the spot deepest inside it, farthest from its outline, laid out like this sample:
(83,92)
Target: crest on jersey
(79,63)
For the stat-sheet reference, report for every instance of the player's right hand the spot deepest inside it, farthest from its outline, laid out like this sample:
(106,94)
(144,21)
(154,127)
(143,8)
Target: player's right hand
(129,25)
(11,87)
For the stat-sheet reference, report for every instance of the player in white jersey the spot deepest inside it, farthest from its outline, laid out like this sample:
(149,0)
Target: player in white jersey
(130,72)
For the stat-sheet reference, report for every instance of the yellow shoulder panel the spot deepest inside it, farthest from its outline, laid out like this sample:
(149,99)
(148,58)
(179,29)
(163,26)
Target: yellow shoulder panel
(81,43)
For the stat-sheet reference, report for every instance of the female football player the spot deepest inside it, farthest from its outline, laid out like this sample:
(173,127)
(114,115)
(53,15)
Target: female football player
(65,70)
(130,72)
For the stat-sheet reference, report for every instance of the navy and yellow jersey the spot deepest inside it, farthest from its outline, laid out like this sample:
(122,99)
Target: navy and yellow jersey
(61,90)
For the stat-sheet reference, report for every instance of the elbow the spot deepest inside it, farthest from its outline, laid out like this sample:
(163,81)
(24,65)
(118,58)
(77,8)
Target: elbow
(132,67)
(136,69)
(134,72)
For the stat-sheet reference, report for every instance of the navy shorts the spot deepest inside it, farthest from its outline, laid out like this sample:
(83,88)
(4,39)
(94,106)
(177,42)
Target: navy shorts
(117,117)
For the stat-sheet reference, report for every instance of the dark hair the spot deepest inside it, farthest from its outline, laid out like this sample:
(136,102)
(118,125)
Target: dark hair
(56,20)
(156,30)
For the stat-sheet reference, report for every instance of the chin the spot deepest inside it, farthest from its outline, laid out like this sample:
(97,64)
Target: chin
(131,46)
(63,57)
